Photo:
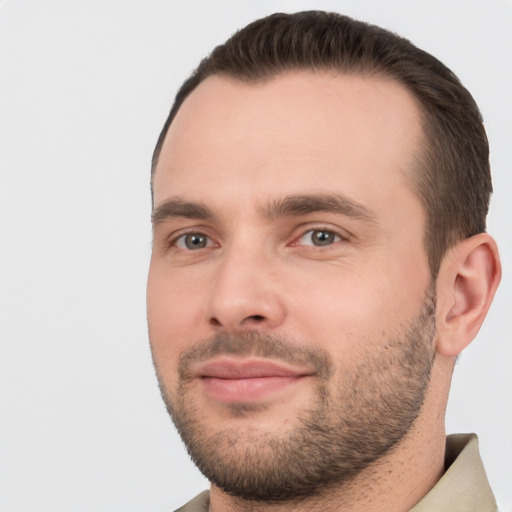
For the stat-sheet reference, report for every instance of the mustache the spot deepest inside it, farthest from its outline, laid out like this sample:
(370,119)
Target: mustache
(251,343)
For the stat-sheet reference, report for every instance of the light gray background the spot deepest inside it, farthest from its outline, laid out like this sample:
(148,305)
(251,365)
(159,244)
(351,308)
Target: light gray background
(84,90)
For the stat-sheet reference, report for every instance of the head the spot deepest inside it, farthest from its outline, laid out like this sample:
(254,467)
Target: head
(320,190)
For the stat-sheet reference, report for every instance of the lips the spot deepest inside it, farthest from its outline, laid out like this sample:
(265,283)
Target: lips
(229,379)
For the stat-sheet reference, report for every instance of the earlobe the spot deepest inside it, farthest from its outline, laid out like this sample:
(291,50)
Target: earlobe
(467,282)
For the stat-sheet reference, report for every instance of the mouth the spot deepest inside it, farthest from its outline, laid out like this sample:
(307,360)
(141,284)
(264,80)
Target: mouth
(230,379)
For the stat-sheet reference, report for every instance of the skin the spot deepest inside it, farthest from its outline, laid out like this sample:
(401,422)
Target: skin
(236,149)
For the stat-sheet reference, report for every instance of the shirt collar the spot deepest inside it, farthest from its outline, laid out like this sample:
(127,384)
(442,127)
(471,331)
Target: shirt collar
(464,486)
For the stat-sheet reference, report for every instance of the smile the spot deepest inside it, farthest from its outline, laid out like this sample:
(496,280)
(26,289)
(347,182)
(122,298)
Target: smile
(230,379)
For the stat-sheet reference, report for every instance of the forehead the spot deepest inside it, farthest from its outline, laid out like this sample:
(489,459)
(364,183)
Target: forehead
(299,130)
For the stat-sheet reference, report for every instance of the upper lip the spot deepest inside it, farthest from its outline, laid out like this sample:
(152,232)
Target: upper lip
(236,368)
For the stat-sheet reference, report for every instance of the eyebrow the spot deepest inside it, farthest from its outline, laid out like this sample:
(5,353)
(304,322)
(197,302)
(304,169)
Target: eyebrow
(297,205)
(180,208)
(289,206)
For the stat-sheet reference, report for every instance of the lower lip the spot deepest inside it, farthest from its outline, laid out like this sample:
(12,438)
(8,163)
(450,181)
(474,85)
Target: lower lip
(246,390)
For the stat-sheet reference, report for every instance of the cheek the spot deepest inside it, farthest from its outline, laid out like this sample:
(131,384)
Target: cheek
(172,310)
(346,309)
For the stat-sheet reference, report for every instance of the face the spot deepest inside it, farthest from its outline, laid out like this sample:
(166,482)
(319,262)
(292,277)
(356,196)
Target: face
(289,302)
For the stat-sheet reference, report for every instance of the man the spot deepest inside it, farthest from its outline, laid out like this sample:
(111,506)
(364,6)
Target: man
(320,259)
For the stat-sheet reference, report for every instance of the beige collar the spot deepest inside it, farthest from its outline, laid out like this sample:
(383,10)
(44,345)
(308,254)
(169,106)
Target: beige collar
(464,486)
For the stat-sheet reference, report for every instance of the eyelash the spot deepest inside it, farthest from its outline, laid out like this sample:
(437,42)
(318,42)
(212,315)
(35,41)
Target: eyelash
(338,237)
(173,243)
(332,233)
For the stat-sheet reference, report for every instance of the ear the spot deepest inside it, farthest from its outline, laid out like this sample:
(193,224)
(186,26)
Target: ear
(468,277)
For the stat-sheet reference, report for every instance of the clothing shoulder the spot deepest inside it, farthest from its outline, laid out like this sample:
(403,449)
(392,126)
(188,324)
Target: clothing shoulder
(200,503)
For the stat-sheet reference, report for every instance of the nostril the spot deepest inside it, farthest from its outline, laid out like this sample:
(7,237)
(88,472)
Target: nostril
(257,318)
(248,320)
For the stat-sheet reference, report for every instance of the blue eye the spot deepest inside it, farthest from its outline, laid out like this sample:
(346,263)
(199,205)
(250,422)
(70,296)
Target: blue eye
(319,237)
(193,241)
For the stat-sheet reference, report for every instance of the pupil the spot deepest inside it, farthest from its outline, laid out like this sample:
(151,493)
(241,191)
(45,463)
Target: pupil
(323,237)
(195,241)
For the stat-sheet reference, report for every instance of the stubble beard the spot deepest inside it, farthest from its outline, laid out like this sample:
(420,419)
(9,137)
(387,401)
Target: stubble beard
(358,414)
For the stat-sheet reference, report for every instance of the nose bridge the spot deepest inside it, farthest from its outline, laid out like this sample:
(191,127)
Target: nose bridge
(245,292)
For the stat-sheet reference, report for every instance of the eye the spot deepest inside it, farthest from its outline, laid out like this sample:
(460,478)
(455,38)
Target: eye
(319,238)
(193,241)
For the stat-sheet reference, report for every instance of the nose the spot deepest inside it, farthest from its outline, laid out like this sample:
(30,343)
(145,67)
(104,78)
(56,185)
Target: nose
(246,292)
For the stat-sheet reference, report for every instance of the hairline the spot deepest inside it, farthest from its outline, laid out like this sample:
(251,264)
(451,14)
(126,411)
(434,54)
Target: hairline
(266,76)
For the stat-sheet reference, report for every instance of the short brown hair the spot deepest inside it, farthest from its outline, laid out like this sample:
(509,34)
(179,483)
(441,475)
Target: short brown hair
(452,175)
